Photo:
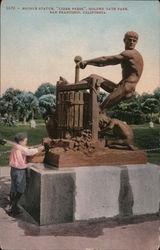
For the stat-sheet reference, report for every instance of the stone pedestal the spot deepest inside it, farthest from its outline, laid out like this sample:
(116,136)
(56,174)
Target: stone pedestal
(66,195)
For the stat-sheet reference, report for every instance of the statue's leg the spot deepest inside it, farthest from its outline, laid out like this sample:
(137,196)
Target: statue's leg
(121,92)
(113,98)
(132,147)
(117,144)
(114,146)
(88,79)
(120,144)
(108,85)
(104,83)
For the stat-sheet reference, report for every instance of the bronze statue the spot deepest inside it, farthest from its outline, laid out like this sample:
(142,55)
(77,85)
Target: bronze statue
(78,130)
(132,66)
(122,133)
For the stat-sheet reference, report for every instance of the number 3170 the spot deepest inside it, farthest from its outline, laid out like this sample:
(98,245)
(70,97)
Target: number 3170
(10,7)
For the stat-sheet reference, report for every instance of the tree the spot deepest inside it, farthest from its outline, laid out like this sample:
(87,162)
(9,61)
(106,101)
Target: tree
(157,96)
(144,97)
(129,111)
(150,106)
(9,104)
(28,105)
(102,96)
(47,104)
(157,93)
(45,89)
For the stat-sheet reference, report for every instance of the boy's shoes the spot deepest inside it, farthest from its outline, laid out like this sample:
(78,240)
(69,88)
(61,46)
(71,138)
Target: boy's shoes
(17,210)
(13,211)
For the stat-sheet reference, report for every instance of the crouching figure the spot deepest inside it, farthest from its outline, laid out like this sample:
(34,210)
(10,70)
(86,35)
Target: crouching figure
(123,137)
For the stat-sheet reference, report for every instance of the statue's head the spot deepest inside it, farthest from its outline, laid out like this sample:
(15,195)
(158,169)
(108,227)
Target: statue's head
(130,40)
(104,121)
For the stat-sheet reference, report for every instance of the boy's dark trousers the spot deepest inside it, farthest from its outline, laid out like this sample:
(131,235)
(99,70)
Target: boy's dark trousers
(14,198)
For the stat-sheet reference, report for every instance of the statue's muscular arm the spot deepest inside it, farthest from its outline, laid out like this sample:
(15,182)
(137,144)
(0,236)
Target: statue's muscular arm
(111,125)
(103,61)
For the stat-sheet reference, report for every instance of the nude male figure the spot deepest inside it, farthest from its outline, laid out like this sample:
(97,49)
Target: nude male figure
(123,134)
(132,66)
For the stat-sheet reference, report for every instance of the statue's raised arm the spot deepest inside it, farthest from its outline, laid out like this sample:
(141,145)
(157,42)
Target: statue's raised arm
(132,66)
(103,61)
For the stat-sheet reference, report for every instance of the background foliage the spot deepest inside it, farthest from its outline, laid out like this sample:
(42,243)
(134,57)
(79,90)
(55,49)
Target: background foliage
(17,105)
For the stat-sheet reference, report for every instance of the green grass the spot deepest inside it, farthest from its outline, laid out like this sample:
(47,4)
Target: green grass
(4,157)
(145,138)
(38,122)
(34,135)
(154,158)
(145,126)
(148,138)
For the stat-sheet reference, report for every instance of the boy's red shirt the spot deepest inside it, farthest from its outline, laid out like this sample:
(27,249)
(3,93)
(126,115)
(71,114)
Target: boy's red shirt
(18,156)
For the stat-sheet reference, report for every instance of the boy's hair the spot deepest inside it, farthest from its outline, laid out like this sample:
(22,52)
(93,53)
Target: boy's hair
(20,137)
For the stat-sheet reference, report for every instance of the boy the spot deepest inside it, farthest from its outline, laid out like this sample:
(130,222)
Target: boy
(17,163)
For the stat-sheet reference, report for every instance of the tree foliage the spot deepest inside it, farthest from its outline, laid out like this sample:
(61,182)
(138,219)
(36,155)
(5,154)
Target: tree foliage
(28,105)
(150,106)
(45,89)
(21,105)
(102,96)
(137,110)
(47,104)
(9,104)
(157,93)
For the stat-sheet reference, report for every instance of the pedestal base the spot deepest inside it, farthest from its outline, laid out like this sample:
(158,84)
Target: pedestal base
(100,157)
(67,195)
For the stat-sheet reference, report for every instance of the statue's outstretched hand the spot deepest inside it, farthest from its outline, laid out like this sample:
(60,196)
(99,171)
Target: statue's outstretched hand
(82,64)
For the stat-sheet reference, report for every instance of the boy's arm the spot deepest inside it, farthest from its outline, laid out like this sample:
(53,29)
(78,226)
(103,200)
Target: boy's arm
(31,151)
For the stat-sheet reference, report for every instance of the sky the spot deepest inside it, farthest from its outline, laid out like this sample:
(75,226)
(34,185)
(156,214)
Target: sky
(39,41)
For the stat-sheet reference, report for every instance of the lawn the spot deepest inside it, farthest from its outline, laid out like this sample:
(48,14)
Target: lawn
(145,138)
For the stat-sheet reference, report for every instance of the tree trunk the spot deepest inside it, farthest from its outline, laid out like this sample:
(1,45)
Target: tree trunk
(24,120)
(32,114)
